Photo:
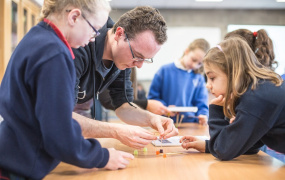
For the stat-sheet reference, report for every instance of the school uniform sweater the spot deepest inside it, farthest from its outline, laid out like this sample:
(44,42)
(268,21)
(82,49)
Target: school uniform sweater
(175,86)
(260,119)
(36,101)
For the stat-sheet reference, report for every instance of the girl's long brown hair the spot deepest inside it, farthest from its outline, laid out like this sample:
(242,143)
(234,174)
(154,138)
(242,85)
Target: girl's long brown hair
(242,68)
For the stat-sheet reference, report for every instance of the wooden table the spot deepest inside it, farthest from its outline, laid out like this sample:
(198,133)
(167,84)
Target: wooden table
(189,165)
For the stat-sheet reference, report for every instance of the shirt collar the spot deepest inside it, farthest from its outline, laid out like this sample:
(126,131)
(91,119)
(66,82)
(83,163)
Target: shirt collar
(178,64)
(60,35)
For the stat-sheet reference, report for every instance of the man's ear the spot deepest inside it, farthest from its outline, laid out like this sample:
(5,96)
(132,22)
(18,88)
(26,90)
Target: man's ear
(119,33)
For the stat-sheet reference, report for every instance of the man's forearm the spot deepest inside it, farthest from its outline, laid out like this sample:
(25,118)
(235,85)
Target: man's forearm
(134,116)
(95,129)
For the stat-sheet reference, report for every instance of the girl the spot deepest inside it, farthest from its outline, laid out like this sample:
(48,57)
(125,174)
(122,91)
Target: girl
(248,91)
(37,94)
(181,84)
(260,43)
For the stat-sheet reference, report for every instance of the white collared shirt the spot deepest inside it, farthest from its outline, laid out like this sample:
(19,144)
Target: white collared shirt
(179,65)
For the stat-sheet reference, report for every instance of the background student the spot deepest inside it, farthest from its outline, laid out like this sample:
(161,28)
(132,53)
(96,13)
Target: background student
(248,91)
(260,43)
(106,63)
(37,130)
(182,84)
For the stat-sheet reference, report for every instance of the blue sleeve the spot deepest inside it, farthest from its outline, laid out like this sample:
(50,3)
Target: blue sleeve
(232,140)
(201,97)
(155,90)
(61,135)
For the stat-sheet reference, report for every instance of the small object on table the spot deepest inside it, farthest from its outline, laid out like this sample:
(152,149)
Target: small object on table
(136,152)
(164,155)
(157,152)
(161,151)
(145,149)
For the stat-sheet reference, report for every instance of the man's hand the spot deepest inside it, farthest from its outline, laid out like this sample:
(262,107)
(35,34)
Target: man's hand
(164,126)
(133,136)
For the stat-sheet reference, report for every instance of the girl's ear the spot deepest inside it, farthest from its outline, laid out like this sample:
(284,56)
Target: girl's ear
(186,51)
(119,32)
(73,15)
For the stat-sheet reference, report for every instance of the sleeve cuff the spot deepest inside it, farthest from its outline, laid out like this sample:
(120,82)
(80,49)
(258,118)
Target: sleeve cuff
(207,146)
(106,158)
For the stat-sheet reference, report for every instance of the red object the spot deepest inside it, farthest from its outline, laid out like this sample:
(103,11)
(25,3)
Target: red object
(157,152)
(255,34)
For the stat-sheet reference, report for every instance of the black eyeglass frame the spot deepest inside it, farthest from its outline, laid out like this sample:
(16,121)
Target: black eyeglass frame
(137,59)
(97,33)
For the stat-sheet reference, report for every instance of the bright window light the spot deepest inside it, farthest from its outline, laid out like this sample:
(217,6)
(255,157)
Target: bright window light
(280,0)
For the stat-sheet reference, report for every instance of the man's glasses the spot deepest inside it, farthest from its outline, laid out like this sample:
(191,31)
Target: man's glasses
(97,33)
(137,59)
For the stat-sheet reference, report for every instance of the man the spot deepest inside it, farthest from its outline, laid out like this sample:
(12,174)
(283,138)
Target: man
(106,63)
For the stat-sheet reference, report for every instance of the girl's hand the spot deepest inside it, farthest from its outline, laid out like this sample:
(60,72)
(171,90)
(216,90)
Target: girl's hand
(232,119)
(118,159)
(193,142)
(220,100)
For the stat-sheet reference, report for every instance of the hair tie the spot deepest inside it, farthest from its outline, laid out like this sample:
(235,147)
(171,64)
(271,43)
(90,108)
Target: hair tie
(220,48)
(255,34)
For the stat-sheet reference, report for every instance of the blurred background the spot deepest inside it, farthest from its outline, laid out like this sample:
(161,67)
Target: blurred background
(186,19)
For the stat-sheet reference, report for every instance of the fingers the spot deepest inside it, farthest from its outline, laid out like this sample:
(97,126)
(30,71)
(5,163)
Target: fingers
(118,159)
(158,125)
(140,143)
(138,138)
(187,142)
(232,119)
(189,138)
(127,155)
(188,145)
(173,132)
(218,100)
(125,159)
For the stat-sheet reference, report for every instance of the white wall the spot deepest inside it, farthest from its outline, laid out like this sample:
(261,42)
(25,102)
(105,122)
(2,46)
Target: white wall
(178,40)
